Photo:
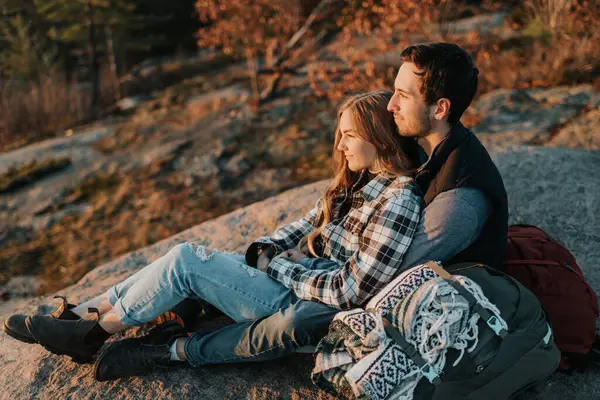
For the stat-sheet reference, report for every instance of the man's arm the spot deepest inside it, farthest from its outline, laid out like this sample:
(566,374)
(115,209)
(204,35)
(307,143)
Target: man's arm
(449,224)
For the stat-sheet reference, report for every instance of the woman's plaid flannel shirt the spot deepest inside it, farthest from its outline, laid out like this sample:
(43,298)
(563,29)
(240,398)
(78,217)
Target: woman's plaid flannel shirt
(367,244)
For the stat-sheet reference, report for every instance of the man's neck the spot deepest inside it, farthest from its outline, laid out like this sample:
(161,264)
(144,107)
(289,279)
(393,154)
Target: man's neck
(435,137)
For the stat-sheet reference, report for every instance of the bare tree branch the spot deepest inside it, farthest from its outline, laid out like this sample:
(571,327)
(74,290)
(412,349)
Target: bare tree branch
(302,31)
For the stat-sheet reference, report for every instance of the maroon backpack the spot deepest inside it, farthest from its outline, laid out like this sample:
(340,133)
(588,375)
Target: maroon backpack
(550,271)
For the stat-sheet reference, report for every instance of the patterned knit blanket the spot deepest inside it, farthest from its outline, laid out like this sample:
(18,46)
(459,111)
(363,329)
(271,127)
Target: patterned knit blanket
(357,358)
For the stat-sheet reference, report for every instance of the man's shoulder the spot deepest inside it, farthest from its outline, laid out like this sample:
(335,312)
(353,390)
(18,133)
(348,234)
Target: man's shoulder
(473,156)
(475,150)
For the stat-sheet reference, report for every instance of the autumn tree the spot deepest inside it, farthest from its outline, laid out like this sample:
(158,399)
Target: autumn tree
(82,24)
(257,29)
(370,28)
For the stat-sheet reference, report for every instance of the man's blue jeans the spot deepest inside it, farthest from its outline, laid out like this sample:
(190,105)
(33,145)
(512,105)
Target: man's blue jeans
(267,326)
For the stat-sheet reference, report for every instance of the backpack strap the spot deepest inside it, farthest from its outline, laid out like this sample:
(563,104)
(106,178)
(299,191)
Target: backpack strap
(427,369)
(532,262)
(491,320)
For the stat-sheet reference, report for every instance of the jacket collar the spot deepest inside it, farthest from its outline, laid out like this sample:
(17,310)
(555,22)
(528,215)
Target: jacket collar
(458,133)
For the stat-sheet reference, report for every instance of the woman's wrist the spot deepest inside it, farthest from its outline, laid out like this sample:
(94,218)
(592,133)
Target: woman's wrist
(255,250)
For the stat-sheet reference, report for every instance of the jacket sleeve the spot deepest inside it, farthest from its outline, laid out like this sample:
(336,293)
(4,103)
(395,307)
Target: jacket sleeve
(286,237)
(377,261)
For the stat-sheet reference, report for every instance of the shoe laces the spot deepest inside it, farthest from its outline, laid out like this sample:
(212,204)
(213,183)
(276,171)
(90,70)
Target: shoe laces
(147,357)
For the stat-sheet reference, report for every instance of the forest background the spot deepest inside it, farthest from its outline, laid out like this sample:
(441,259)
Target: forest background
(153,76)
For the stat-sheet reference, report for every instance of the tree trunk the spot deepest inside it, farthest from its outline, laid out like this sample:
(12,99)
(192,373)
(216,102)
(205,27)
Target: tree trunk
(93,59)
(112,62)
(253,74)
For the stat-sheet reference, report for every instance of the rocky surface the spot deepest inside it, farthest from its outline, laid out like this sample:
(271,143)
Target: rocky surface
(30,372)
(554,188)
(211,148)
(534,116)
(581,133)
(199,149)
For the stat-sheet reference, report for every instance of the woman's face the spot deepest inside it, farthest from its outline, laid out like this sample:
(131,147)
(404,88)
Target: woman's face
(359,153)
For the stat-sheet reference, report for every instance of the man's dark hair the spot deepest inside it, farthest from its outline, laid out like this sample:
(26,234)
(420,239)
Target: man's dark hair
(447,71)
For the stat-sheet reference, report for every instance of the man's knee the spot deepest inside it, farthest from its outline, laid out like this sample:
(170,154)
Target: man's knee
(306,322)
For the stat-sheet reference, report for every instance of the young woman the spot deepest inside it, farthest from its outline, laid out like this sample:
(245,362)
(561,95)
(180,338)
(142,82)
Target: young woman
(341,253)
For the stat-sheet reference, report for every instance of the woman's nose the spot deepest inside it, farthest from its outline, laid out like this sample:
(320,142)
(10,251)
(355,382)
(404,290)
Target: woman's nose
(341,145)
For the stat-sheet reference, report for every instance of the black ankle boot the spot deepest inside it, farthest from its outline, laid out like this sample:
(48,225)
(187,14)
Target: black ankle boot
(140,356)
(14,325)
(78,339)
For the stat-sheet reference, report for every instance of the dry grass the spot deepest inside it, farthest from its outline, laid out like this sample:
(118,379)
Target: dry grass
(31,112)
(556,43)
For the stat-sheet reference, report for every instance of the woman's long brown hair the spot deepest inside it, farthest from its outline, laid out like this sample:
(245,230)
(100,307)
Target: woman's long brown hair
(396,155)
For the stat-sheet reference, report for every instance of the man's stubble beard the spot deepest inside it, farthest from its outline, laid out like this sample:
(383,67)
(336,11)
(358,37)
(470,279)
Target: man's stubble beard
(422,128)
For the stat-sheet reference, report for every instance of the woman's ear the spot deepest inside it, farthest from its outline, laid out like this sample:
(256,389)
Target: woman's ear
(442,109)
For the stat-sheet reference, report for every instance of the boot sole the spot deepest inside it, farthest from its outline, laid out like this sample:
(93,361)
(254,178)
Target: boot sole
(59,352)
(97,366)
(16,335)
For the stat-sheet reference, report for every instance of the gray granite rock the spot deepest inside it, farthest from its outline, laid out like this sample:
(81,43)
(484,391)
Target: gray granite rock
(561,116)
(509,110)
(581,133)
(557,189)
(76,147)
(28,371)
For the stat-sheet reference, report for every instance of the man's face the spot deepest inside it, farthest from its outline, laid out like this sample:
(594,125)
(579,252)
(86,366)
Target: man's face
(411,114)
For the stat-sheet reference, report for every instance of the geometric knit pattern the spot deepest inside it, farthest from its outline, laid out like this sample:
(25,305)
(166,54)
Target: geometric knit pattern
(358,359)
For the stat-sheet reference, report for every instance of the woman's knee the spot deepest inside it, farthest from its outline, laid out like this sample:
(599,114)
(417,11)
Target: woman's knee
(188,256)
(178,250)
(177,260)
(201,251)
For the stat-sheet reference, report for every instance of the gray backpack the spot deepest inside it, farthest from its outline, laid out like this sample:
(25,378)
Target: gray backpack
(505,363)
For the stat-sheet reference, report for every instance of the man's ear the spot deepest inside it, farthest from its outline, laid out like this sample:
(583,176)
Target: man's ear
(442,109)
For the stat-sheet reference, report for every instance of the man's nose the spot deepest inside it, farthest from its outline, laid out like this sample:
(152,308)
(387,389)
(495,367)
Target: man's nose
(392,105)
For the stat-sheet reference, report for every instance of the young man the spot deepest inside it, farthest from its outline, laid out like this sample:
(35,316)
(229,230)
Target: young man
(465,220)
(434,86)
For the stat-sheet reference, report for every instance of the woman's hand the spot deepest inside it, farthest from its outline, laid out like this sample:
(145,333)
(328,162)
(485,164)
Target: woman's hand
(263,261)
(264,258)
(295,255)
